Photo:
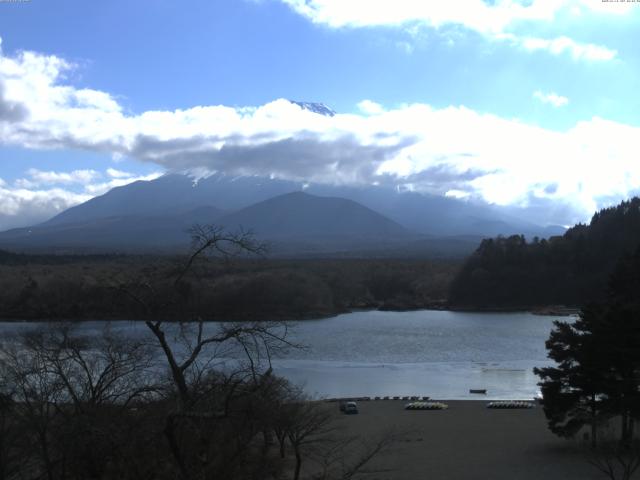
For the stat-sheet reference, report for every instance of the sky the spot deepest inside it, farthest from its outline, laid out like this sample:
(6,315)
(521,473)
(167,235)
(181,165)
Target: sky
(531,104)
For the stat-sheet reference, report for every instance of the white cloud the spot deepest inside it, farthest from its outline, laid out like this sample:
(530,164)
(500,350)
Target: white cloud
(478,15)
(21,207)
(456,194)
(474,14)
(453,149)
(370,108)
(38,178)
(101,188)
(551,98)
(406,47)
(560,45)
(113,173)
(499,20)
(29,201)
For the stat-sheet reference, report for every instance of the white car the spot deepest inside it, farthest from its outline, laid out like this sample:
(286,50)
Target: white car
(351,408)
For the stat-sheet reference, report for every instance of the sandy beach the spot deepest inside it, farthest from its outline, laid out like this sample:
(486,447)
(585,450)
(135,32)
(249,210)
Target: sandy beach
(468,441)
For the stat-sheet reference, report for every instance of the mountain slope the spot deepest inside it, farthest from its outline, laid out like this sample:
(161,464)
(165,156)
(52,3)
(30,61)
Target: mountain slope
(175,193)
(427,214)
(294,224)
(119,233)
(169,193)
(299,214)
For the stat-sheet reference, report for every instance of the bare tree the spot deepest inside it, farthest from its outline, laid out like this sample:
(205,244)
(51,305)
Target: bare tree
(615,460)
(314,436)
(92,370)
(198,401)
(214,240)
(10,460)
(309,425)
(71,391)
(212,392)
(37,393)
(349,457)
(256,339)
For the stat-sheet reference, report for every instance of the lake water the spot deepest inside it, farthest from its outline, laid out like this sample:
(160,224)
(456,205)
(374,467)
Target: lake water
(441,354)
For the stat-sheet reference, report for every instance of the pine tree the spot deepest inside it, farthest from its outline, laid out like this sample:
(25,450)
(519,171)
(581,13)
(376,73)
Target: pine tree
(573,390)
(598,357)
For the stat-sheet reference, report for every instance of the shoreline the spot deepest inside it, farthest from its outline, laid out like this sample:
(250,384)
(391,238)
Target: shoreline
(404,400)
(544,311)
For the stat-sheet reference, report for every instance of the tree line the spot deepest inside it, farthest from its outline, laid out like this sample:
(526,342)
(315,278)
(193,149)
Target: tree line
(243,288)
(571,269)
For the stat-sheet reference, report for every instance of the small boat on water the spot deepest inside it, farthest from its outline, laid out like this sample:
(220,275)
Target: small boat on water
(482,391)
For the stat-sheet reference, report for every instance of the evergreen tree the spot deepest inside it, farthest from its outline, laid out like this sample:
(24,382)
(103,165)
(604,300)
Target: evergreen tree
(620,337)
(598,357)
(573,391)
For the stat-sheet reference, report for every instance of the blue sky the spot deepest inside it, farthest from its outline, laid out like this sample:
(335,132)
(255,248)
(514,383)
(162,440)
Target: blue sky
(538,99)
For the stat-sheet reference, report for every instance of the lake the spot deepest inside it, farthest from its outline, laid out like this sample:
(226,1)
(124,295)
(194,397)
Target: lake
(441,354)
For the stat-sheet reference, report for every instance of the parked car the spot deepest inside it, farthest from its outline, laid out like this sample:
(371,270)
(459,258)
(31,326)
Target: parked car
(350,408)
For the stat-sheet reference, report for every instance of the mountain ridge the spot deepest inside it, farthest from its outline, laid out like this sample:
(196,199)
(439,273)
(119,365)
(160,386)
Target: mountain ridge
(302,214)
(422,213)
(409,223)
(293,223)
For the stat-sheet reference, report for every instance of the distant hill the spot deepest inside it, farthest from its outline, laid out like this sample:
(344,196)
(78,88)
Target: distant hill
(422,213)
(169,194)
(310,225)
(298,214)
(511,272)
(292,224)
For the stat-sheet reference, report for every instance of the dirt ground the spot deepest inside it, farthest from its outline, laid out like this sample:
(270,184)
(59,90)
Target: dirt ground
(467,441)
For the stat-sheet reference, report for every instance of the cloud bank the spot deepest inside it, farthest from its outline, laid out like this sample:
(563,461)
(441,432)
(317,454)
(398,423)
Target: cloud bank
(496,20)
(41,195)
(551,98)
(451,151)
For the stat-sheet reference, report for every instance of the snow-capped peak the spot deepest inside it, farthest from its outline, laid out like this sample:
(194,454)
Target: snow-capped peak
(319,108)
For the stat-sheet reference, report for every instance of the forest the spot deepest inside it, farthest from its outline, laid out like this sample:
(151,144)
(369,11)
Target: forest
(247,288)
(573,269)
